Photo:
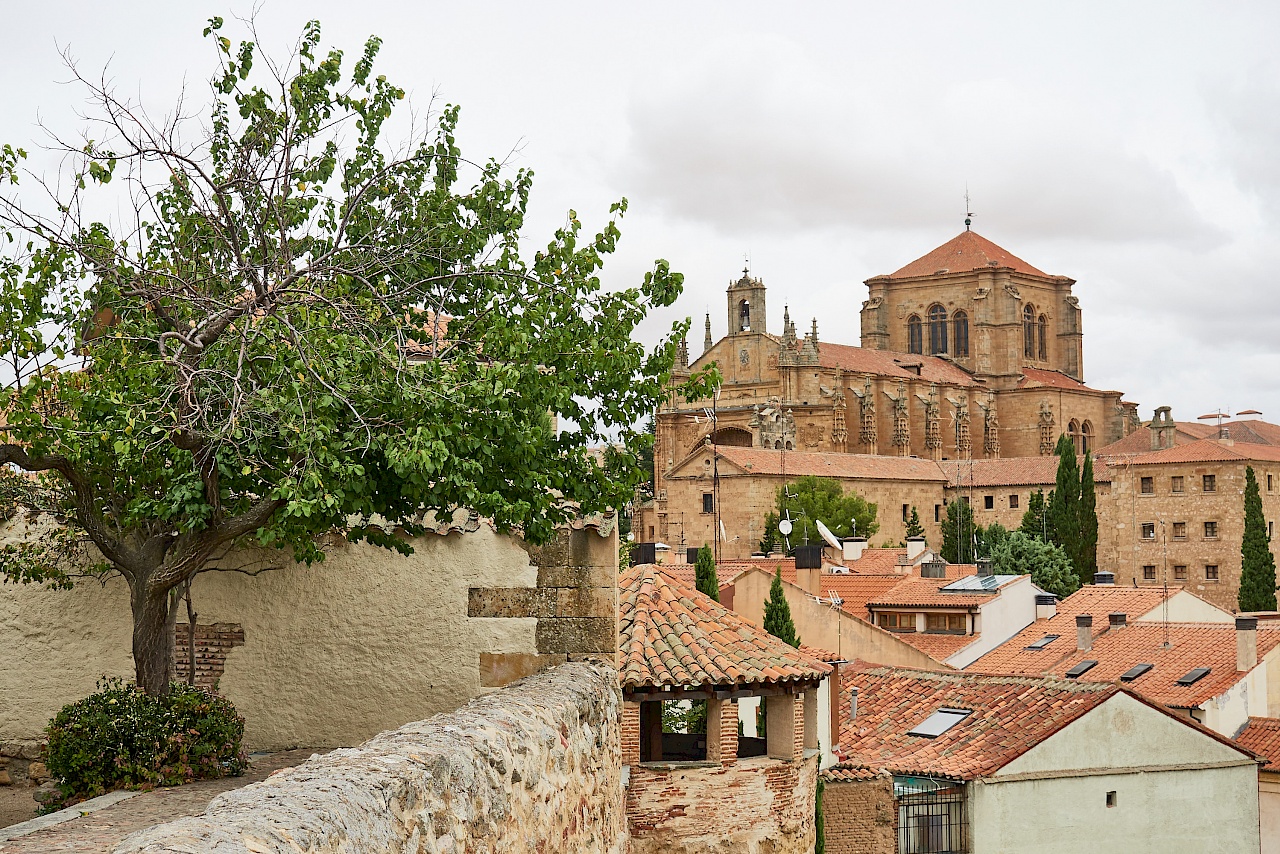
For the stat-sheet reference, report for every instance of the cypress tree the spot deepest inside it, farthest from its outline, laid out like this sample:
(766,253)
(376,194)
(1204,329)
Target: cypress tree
(1063,515)
(1257,564)
(704,573)
(1033,521)
(958,533)
(1088,522)
(777,613)
(914,528)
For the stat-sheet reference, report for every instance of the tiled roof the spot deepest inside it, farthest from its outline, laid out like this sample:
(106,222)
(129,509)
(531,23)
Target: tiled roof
(855,590)
(800,463)
(848,774)
(1262,736)
(887,363)
(1038,377)
(1012,471)
(966,251)
(670,634)
(1207,451)
(1191,645)
(937,646)
(1254,430)
(819,653)
(875,561)
(1139,441)
(1012,656)
(924,593)
(1010,715)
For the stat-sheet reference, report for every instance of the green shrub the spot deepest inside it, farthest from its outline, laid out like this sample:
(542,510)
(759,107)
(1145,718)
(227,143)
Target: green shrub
(120,738)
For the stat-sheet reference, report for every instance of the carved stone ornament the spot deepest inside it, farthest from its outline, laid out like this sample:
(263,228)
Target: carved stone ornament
(744,357)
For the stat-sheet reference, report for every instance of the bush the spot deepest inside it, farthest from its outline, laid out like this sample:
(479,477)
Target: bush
(120,738)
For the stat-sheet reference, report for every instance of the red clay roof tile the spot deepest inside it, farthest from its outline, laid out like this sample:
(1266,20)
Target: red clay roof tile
(965,252)
(1262,736)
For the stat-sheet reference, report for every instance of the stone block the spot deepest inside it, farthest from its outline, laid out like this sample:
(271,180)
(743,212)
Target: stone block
(588,548)
(511,602)
(586,602)
(577,576)
(38,772)
(501,669)
(577,635)
(5,779)
(555,552)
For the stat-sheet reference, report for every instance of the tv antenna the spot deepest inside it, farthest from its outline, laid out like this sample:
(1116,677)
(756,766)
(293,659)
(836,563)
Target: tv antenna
(968,214)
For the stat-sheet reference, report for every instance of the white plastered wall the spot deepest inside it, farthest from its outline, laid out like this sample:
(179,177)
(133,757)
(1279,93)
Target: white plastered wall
(1000,619)
(1186,608)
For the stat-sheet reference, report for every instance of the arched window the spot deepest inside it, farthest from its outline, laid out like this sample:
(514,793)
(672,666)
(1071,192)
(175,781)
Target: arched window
(960,333)
(1086,437)
(1029,331)
(937,329)
(734,437)
(744,316)
(1073,433)
(1044,338)
(915,335)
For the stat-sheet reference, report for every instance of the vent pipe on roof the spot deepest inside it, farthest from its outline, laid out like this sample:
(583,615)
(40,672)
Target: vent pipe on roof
(1046,606)
(853,703)
(1104,579)
(984,566)
(1246,643)
(853,548)
(1084,632)
(915,548)
(1118,620)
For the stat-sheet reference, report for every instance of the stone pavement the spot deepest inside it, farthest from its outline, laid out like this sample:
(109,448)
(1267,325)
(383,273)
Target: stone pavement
(103,830)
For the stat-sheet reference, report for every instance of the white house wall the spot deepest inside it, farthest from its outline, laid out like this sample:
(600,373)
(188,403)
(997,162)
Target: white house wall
(1186,608)
(1000,619)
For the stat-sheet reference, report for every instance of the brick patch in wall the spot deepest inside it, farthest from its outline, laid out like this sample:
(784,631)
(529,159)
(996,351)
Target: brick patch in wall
(213,644)
(860,817)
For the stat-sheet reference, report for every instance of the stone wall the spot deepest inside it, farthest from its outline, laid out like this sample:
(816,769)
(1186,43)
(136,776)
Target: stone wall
(533,767)
(860,817)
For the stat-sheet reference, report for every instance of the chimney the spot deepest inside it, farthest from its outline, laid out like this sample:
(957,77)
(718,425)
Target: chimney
(1118,620)
(1246,643)
(984,566)
(933,569)
(853,703)
(1104,579)
(915,548)
(1046,606)
(853,548)
(1084,632)
(810,578)
(808,557)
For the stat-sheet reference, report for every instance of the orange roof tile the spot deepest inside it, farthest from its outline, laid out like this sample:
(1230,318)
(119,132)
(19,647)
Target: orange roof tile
(887,363)
(819,653)
(800,463)
(965,252)
(1139,441)
(1191,645)
(1012,471)
(1012,656)
(938,646)
(670,634)
(1262,736)
(1207,451)
(1010,715)
(877,561)
(854,589)
(1038,377)
(920,592)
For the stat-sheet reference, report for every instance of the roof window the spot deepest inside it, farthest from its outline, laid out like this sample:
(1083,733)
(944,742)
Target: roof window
(1081,668)
(1134,672)
(1044,641)
(1194,676)
(939,722)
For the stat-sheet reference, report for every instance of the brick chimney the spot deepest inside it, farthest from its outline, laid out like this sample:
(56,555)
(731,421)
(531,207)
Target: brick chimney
(1118,620)
(1246,643)
(1084,632)
(853,548)
(915,548)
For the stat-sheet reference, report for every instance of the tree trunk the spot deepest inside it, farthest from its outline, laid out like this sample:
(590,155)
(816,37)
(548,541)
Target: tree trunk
(152,638)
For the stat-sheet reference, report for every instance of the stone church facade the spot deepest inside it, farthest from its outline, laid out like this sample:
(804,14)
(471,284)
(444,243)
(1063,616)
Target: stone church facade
(968,352)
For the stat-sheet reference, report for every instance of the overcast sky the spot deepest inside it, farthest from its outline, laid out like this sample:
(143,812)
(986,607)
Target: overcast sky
(1134,147)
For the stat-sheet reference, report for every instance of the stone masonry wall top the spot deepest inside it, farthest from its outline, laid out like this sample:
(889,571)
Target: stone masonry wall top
(534,766)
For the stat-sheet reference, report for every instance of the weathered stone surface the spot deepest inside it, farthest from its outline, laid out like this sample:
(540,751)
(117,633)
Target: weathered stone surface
(511,602)
(578,576)
(5,779)
(38,772)
(575,635)
(535,766)
(503,668)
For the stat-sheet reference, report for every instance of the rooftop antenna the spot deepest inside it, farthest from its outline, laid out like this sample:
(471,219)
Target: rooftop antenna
(968,213)
(1218,417)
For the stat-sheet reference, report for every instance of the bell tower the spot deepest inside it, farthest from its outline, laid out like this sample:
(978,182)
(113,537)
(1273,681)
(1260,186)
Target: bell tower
(746,305)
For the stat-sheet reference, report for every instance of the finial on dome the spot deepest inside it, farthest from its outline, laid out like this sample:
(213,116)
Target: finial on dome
(706,339)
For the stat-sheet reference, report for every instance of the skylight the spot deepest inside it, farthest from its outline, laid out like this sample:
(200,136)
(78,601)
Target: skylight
(1194,676)
(1134,672)
(939,722)
(1044,641)
(1081,668)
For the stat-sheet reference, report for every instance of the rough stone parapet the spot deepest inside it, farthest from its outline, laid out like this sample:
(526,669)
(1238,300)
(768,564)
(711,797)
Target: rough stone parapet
(534,766)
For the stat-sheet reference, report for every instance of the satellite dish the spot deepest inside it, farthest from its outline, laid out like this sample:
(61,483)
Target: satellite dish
(832,539)
(784,527)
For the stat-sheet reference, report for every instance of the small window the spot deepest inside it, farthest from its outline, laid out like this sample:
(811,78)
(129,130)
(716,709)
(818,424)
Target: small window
(1271,530)
(1081,669)
(939,722)
(960,324)
(1148,573)
(1269,483)
(952,624)
(651,533)
(937,512)
(1148,486)
(1013,501)
(1194,676)
(988,502)
(1177,484)
(1210,483)
(1134,672)
(915,335)
(1211,530)
(906,512)
(1044,641)
(1179,530)
(1111,796)
(708,502)
(1211,572)
(937,329)
(1179,573)
(1148,530)
(896,622)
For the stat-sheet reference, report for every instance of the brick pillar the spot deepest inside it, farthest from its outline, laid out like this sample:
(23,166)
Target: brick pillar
(811,718)
(630,733)
(722,731)
(784,727)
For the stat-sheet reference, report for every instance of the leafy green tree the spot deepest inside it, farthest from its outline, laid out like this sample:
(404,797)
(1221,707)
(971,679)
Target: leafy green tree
(299,329)
(771,537)
(777,613)
(914,528)
(811,498)
(1033,521)
(1088,522)
(705,573)
(960,536)
(991,538)
(1063,513)
(1047,564)
(1257,564)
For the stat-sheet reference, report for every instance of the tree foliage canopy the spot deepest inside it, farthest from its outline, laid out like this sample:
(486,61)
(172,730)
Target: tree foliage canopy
(299,328)
(777,613)
(961,538)
(705,573)
(1018,554)
(1257,563)
(810,498)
